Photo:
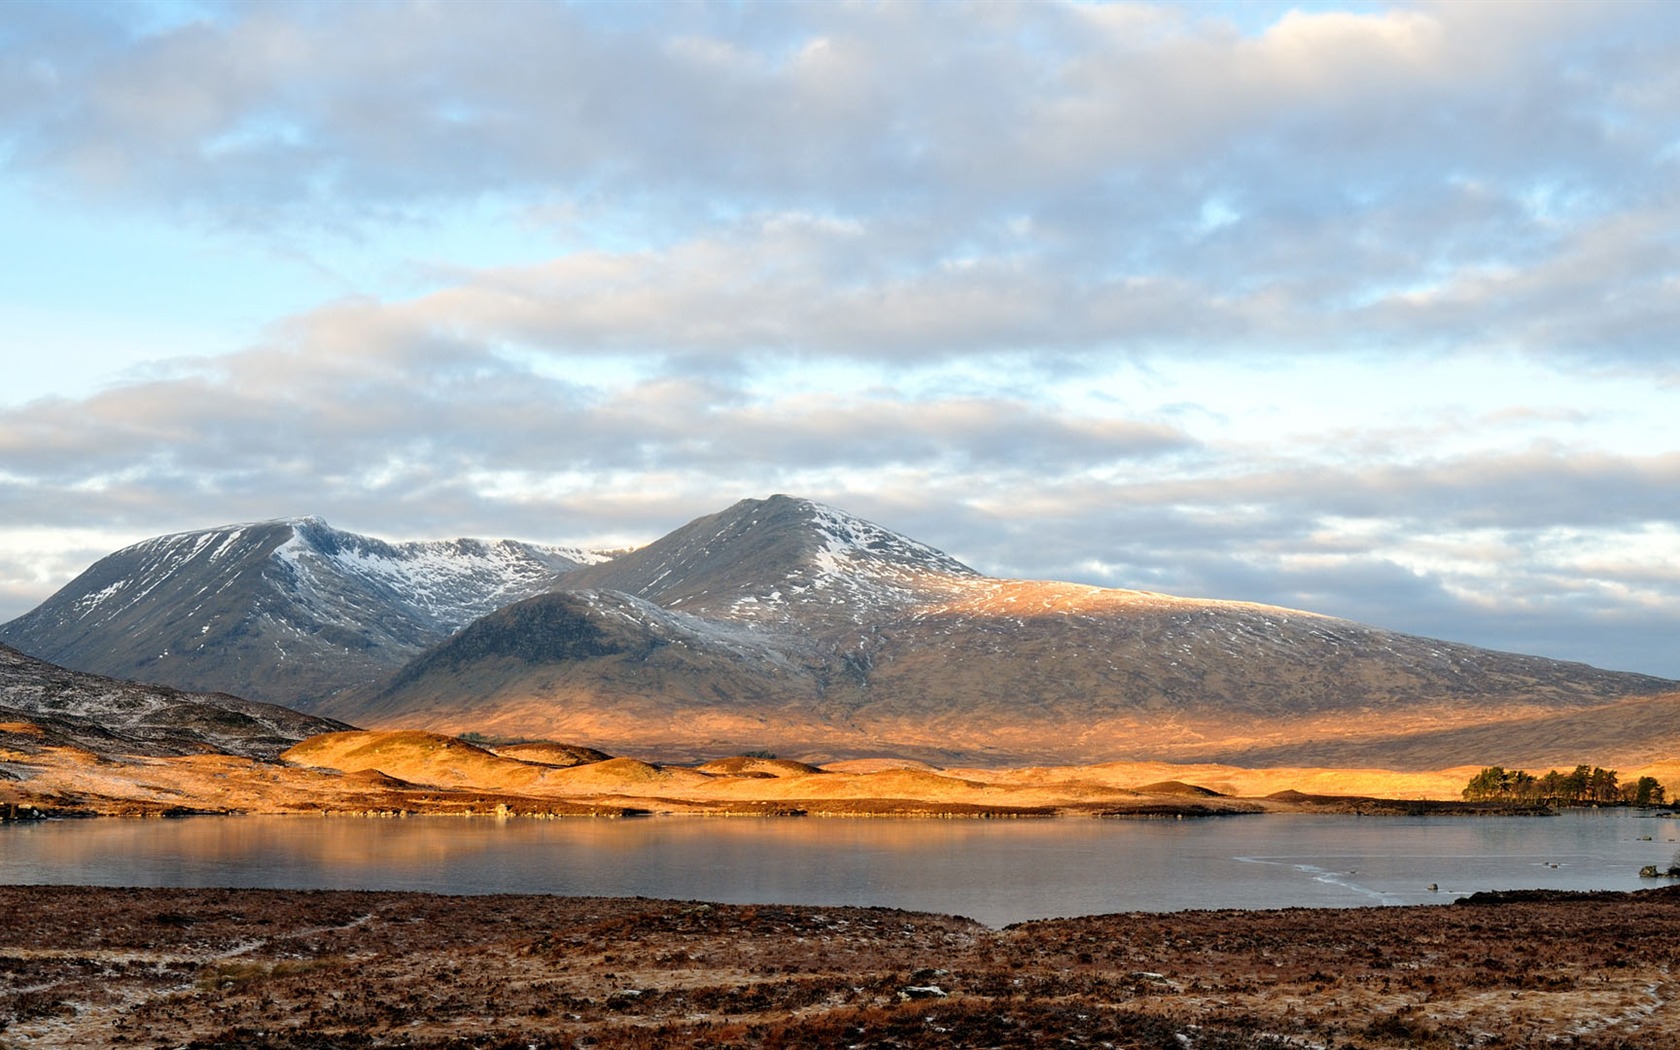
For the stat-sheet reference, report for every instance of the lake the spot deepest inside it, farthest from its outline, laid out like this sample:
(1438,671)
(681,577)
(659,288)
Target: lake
(996,871)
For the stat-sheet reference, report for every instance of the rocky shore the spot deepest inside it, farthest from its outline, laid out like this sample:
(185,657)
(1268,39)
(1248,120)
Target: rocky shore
(94,967)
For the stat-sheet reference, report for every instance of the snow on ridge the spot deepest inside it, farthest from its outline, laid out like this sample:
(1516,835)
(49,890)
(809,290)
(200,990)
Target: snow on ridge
(848,567)
(232,530)
(872,566)
(850,539)
(450,581)
(339,577)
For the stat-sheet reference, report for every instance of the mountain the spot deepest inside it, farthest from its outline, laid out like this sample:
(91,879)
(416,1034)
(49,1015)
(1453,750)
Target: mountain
(786,625)
(43,705)
(765,615)
(289,611)
(779,562)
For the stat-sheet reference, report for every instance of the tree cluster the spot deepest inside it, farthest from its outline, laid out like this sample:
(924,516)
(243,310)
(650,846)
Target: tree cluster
(1580,787)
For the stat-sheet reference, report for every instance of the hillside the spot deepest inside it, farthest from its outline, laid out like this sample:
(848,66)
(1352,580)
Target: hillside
(42,705)
(286,611)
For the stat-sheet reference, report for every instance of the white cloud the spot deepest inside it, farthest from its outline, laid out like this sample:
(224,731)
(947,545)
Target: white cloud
(1362,310)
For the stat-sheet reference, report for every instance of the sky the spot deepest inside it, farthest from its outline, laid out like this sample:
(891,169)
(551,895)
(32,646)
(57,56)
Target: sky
(1369,309)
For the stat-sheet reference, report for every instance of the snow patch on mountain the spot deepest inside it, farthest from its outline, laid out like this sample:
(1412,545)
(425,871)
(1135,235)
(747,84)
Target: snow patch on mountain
(97,598)
(851,544)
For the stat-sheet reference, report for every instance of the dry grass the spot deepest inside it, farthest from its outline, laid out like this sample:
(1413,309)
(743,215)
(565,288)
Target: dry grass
(427,772)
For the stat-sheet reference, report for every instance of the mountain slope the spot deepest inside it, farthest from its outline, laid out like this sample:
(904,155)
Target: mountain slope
(788,625)
(598,665)
(1637,733)
(289,611)
(42,704)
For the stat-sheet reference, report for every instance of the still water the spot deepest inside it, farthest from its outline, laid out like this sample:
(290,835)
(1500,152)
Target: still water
(995,871)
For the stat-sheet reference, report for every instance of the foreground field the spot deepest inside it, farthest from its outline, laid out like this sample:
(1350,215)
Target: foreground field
(257,968)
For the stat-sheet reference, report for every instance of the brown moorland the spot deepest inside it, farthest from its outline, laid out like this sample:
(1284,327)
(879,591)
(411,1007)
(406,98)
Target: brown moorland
(421,772)
(290,970)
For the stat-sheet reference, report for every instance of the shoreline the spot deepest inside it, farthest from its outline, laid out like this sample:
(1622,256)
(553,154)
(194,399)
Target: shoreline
(873,809)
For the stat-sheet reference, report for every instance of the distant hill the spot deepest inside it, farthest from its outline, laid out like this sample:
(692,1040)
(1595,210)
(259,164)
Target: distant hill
(43,705)
(288,611)
(785,625)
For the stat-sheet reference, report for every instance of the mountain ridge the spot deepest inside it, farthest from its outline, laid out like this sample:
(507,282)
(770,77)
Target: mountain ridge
(788,625)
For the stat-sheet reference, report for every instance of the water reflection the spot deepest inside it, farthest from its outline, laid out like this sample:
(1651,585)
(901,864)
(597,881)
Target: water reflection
(994,871)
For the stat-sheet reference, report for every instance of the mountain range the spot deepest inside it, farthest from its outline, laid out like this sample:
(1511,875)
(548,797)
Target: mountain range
(788,626)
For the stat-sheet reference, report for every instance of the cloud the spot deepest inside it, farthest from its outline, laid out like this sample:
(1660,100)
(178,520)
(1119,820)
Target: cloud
(774,286)
(824,103)
(285,429)
(924,179)
(897,257)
